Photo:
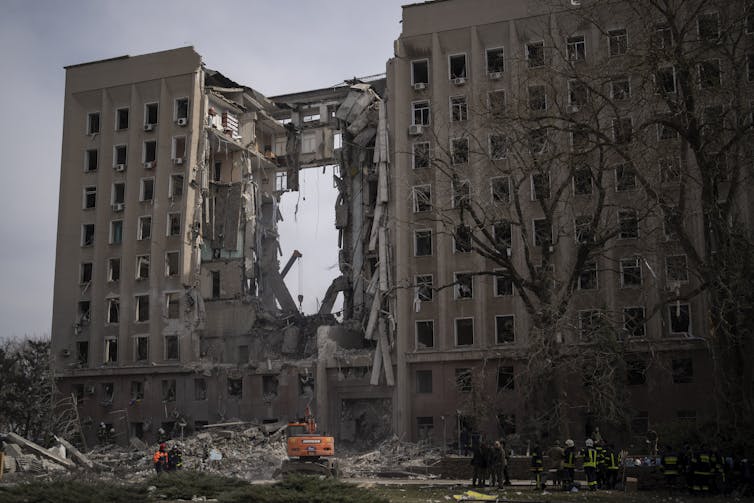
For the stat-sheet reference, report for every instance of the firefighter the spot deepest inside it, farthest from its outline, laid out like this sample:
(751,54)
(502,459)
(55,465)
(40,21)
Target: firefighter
(670,466)
(175,459)
(601,465)
(160,459)
(613,465)
(589,454)
(701,470)
(537,467)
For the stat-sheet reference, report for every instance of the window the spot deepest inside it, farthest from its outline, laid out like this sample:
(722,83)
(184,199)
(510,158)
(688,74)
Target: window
(676,268)
(422,195)
(710,75)
(181,108)
(308,143)
(636,372)
(420,112)
(420,72)
(750,67)
(423,243)
(87,235)
(496,102)
(168,390)
(116,232)
(495,60)
(584,233)
(82,353)
(502,234)
(150,151)
(176,186)
(424,287)
(200,389)
(171,347)
(665,80)
(459,150)
(670,169)
(578,93)
(461,193)
(137,390)
(617,42)
(179,149)
(142,349)
(680,321)
(147,189)
(589,323)
(630,272)
(172,305)
(92,123)
(216,290)
(174,224)
(625,177)
(424,381)
(540,186)
(120,153)
(582,181)
(172,267)
(145,227)
(634,321)
(142,267)
(537,98)
(708,26)
(151,113)
(576,48)
(464,383)
(580,137)
(464,285)
(457,66)
(501,189)
(85,271)
(671,222)
(121,119)
(628,224)
(119,193)
(683,371)
(663,37)
(587,279)
(113,310)
(91,160)
(622,130)
(425,334)
(281,181)
(537,141)
(503,285)
(142,308)
(90,197)
(458,109)
(464,331)
(505,329)
(498,147)
(421,155)
(84,312)
(749,22)
(312,116)
(111,350)
(542,232)
(462,239)
(665,132)
(505,378)
(620,89)
(535,54)
(113,269)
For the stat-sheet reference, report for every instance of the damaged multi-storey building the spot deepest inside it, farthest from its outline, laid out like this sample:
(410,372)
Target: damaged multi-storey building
(170,307)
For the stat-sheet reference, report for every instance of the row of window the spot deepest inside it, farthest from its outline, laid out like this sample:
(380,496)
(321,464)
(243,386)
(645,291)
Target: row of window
(144,229)
(172,268)
(148,155)
(118,192)
(141,350)
(151,116)
(171,308)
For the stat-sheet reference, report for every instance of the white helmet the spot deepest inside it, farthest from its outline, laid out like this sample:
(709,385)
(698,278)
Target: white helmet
(569,443)
(589,442)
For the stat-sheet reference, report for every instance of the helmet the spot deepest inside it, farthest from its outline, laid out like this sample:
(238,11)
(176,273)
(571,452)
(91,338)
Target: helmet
(589,442)
(162,446)
(569,443)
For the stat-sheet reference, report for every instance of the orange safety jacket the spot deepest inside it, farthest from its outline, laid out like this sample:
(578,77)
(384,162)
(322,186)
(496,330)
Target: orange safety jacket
(160,457)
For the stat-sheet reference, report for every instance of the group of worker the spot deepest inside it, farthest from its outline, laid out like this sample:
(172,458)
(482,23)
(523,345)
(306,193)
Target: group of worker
(167,460)
(600,461)
(704,470)
(490,462)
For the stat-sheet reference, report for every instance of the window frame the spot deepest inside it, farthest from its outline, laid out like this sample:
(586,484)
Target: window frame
(117,117)
(455,330)
(414,155)
(88,125)
(138,299)
(625,267)
(457,294)
(423,347)
(147,106)
(465,75)
(418,192)
(459,108)
(176,108)
(413,75)
(497,329)
(494,194)
(627,317)
(573,43)
(678,306)
(143,259)
(416,242)
(612,37)
(487,52)
(89,190)
(424,108)
(527,53)
(140,228)
(421,283)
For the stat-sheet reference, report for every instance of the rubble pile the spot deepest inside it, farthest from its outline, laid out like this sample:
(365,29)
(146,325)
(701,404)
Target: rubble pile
(393,458)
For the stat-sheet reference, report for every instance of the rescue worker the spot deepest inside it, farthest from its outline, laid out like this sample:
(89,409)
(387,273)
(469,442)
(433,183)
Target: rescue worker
(555,456)
(496,465)
(160,459)
(670,466)
(589,454)
(175,459)
(506,475)
(537,467)
(613,465)
(569,464)
(717,477)
(601,465)
(477,462)
(702,471)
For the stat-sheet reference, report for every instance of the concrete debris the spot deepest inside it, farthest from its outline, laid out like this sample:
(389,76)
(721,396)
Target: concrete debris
(393,458)
(38,450)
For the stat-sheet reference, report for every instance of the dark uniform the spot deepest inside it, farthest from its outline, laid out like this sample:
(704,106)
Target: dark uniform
(175,459)
(670,467)
(590,466)
(612,461)
(478,464)
(537,467)
(601,466)
(702,471)
(569,465)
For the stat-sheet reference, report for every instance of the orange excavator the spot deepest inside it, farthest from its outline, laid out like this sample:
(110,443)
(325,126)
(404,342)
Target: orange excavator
(308,451)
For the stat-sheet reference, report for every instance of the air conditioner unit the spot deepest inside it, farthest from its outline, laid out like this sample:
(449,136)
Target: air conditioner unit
(415,129)
(459,81)
(148,127)
(496,75)
(118,207)
(420,86)
(119,168)
(178,161)
(182,121)
(149,164)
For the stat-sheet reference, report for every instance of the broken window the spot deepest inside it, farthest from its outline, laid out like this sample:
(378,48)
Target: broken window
(120,155)
(665,79)
(537,98)
(90,197)
(145,227)
(119,193)
(215,284)
(422,198)
(535,54)
(111,350)
(501,189)
(82,353)
(171,347)
(498,147)
(113,310)
(218,171)
(269,387)
(150,151)
(670,169)
(458,109)
(683,370)
(420,112)
(464,382)
(633,321)
(113,269)
(630,272)
(168,390)
(151,113)
(582,181)
(620,89)
(625,177)
(505,378)
(457,66)
(142,349)
(425,426)
(505,331)
(147,189)
(108,391)
(663,36)
(583,229)
(308,142)
(496,102)
(424,287)
(181,108)
(576,48)
(580,137)
(172,305)
(91,160)
(142,308)
(676,268)
(628,224)
(464,285)
(137,390)
(92,123)
(420,72)
(464,331)
(423,243)
(421,155)
(424,381)
(622,130)
(671,222)
(425,334)
(495,60)
(617,42)
(84,311)
(708,26)
(537,141)
(142,267)
(461,193)
(587,279)
(172,267)
(636,372)
(462,239)
(85,273)
(503,285)
(78,391)
(542,232)
(589,322)
(578,93)
(176,186)
(502,235)
(540,186)
(174,224)
(121,119)
(179,149)
(710,75)
(459,150)
(200,389)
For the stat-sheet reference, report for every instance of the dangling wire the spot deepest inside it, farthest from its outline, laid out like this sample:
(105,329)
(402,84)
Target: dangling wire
(300,283)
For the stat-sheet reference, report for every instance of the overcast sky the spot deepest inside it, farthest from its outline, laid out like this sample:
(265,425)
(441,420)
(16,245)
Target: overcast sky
(274,46)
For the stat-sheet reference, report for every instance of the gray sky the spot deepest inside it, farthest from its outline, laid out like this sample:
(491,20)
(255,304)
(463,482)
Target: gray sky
(274,46)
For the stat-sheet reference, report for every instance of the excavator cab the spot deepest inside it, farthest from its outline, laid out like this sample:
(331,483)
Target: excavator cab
(308,451)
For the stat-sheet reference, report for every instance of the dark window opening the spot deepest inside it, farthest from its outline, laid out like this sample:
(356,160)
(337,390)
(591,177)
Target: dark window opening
(425,336)
(464,382)
(420,72)
(458,66)
(464,332)
(424,381)
(505,378)
(168,390)
(505,332)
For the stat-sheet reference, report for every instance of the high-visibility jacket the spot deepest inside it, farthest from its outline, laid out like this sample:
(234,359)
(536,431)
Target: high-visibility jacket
(536,462)
(161,458)
(701,464)
(670,464)
(601,456)
(612,461)
(590,457)
(569,458)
